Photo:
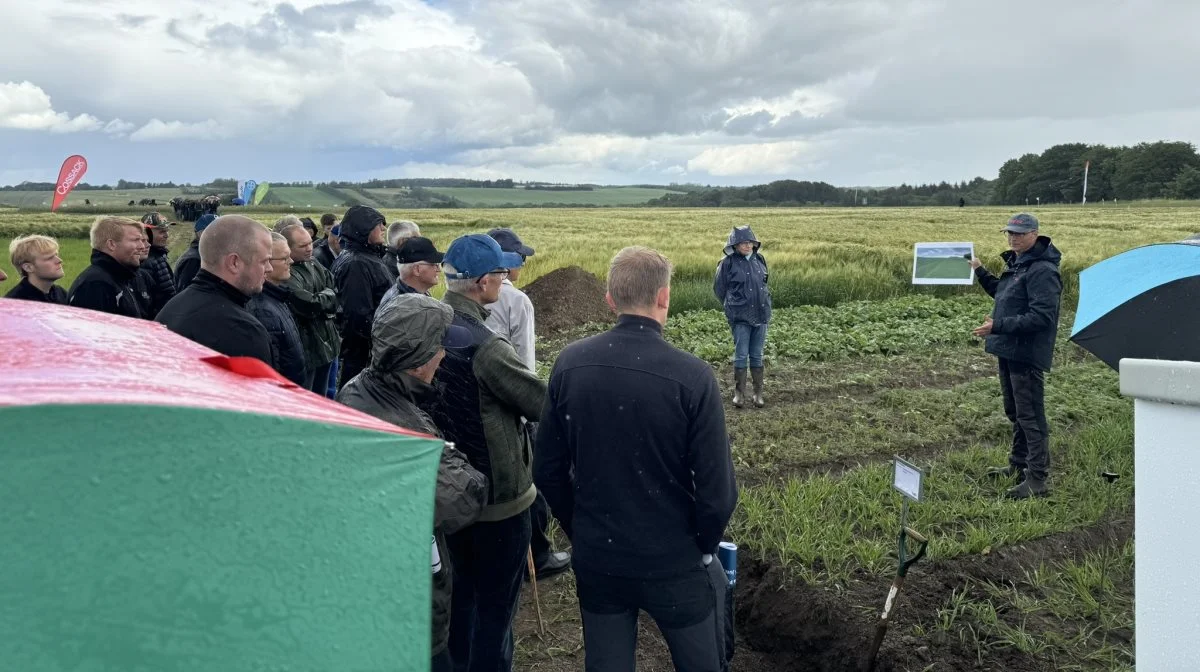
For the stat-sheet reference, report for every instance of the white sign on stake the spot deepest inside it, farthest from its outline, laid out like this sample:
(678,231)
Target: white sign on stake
(907,479)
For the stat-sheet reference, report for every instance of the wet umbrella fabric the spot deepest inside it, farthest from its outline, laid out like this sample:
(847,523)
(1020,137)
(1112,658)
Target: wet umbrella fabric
(1142,303)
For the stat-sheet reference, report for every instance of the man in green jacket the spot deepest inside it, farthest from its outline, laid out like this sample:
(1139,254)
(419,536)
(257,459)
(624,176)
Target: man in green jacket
(314,304)
(408,340)
(485,391)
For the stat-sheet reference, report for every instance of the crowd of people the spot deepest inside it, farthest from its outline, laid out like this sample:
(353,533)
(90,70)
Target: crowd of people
(625,445)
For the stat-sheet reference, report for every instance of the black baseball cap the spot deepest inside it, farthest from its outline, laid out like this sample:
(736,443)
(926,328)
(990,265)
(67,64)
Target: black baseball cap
(417,249)
(510,242)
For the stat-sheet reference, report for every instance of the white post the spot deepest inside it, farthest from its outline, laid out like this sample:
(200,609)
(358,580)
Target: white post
(1166,415)
(1086,165)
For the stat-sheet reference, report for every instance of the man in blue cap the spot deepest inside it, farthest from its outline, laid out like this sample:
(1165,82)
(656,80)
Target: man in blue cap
(189,262)
(512,317)
(1021,334)
(485,391)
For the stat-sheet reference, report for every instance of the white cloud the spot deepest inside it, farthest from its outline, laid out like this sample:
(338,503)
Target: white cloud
(118,127)
(788,157)
(177,130)
(27,107)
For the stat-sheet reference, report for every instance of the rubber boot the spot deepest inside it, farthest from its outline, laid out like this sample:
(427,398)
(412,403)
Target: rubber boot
(739,387)
(757,376)
(1030,487)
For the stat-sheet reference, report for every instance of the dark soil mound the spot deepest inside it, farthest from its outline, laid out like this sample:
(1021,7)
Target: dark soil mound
(566,298)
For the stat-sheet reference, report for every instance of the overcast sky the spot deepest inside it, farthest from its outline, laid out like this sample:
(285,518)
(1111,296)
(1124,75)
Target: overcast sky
(608,91)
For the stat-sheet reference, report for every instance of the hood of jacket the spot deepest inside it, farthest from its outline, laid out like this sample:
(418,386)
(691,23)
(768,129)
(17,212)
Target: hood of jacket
(358,223)
(1042,250)
(407,332)
(741,234)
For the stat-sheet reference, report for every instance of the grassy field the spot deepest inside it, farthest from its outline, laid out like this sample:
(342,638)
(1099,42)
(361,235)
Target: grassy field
(943,267)
(816,256)
(861,366)
(608,196)
(311,197)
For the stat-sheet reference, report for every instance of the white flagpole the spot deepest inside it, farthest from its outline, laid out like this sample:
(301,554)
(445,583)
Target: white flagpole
(1086,165)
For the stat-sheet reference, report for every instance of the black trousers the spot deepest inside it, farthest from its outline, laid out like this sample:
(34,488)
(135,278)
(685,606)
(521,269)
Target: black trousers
(689,609)
(489,568)
(1024,389)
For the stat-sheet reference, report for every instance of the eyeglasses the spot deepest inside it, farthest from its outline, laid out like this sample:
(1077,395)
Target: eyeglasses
(274,259)
(1014,234)
(503,273)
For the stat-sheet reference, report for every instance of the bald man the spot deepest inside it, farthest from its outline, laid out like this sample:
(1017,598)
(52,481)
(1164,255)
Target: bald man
(235,257)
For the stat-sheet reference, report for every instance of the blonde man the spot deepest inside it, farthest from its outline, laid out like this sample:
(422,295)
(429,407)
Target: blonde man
(36,261)
(110,284)
(633,457)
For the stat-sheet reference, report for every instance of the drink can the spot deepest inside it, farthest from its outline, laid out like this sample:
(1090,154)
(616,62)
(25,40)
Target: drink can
(727,554)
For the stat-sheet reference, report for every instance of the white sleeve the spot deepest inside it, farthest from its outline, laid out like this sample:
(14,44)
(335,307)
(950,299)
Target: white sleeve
(521,330)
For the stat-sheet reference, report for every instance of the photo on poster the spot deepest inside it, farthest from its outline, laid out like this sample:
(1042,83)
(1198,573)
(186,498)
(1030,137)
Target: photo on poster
(943,264)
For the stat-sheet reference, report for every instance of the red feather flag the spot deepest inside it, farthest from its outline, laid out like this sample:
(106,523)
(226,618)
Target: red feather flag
(69,175)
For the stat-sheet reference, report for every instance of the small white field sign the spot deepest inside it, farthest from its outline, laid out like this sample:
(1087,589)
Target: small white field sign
(907,479)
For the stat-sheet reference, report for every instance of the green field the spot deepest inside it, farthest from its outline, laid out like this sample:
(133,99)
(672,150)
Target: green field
(105,197)
(861,366)
(605,196)
(942,268)
(311,197)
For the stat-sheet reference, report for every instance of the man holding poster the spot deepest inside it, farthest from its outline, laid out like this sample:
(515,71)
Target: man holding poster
(1021,334)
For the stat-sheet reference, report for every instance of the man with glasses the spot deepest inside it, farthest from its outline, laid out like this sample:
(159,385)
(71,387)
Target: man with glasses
(485,390)
(271,308)
(235,257)
(314,305)
(1021,334)
(512,317)
(420,265)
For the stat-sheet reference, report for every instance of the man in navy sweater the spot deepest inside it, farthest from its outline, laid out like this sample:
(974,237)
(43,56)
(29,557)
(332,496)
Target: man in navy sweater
(633,458)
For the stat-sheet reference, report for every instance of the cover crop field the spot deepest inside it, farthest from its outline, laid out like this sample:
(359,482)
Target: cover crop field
(862,366)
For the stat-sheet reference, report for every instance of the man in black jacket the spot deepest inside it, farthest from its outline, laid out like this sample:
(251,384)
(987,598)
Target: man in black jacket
(36,260)
(1021,334)
(270,307)
(634,460)
(110,284)
(156,270)
(235,255)
(361,279)
(189,262)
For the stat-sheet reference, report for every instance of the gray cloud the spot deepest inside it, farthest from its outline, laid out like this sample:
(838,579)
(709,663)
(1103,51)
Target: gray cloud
(133,21)
(646,68)
(285,25)
(855,92)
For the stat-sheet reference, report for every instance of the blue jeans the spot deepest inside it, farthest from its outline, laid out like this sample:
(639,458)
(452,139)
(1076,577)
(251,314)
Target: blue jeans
(748,342)
(489,567)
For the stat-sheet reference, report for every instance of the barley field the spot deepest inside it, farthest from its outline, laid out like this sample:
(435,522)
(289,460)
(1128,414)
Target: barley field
(863,366)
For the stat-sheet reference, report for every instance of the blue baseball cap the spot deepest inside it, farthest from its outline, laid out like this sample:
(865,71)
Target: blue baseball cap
(477,255)
(1022,223)
(204,220)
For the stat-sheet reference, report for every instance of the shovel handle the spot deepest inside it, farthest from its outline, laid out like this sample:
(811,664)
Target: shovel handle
(907,562)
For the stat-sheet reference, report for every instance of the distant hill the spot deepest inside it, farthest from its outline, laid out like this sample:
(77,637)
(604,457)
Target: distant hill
(325,197)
